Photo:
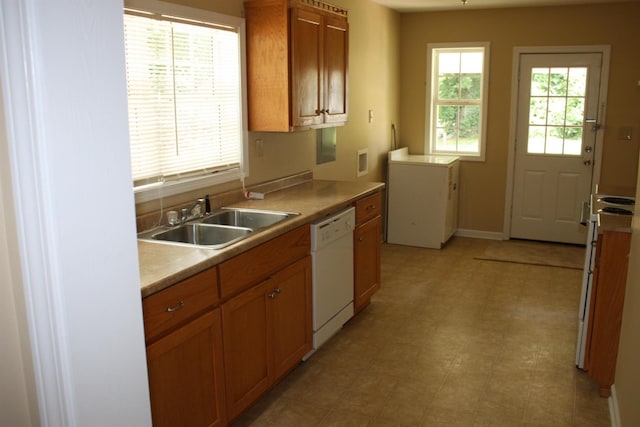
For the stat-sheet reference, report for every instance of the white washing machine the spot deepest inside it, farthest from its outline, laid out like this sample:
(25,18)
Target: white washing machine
(423,199)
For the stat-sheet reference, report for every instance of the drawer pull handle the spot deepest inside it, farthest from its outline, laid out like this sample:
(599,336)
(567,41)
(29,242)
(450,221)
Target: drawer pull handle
(274,294)
(370,207)
(176,307)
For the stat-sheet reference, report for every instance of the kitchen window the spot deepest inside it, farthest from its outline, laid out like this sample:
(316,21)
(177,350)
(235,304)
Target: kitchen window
(458,76)
(184,72)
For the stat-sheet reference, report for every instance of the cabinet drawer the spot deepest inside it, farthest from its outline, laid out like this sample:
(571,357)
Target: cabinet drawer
(368,207)
(258,263)
(171,307)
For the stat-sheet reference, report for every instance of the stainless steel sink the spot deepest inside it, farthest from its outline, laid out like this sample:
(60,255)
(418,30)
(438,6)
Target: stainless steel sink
(213,236)
(250,218)
(218,230)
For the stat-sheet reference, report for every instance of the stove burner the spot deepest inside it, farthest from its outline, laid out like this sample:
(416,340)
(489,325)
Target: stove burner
(615,211)
(614,200)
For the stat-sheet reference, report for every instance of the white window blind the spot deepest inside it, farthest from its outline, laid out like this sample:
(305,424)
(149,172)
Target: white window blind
(184,93)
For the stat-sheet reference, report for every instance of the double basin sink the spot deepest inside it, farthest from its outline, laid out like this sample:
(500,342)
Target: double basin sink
(218,230)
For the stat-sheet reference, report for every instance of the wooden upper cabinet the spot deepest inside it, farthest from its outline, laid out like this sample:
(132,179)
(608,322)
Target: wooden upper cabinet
(307,77)
(336,69)
(297,64)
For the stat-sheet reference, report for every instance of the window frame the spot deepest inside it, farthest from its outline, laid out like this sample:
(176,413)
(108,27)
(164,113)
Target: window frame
(431,86)
(177,186)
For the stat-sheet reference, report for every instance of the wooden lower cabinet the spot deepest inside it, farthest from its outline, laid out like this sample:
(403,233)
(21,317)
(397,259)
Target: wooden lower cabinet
(366,255)
(266,332)
(607,301)
(186,381)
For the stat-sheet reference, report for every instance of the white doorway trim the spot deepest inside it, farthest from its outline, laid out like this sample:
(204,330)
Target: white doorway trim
(64,113)
(605,50)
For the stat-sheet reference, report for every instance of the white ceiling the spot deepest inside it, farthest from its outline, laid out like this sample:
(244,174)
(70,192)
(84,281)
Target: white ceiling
(431,5)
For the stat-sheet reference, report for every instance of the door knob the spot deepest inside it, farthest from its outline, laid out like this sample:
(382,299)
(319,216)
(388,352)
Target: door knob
(588,149)
(587,162)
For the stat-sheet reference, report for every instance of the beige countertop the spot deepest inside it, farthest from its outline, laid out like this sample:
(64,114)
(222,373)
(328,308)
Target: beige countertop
(162,265)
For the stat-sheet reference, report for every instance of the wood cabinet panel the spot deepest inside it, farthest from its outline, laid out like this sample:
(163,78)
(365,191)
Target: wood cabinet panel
(186,377)
(246,346)
(292,316)
(609,285)
(307,87)
(267,331)
(367,249)
(336,65)
(177,304)
(307,65)
(368,207)
(267,42)
(254,265)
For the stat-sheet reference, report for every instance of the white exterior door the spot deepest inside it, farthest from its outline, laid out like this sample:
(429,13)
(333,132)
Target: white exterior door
(555,144)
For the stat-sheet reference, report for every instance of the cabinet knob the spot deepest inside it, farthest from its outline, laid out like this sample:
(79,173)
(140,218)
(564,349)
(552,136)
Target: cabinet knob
(176,307)
(360,239)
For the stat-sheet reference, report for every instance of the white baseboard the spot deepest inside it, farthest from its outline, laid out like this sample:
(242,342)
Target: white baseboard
(614,410)
(478,234)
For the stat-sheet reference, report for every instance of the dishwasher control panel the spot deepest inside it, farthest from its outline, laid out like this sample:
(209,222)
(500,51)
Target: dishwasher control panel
(332,228)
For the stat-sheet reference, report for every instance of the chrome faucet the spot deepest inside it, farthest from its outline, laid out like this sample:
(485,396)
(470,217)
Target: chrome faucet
(187,213)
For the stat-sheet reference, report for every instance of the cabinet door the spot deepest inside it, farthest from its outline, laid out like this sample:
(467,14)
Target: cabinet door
(291,308)
(186,381)
(246,343)
(366,255)
(608,293)
(307,68)
(336,60)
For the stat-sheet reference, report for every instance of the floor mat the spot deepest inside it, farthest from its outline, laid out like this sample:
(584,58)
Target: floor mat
(535,253)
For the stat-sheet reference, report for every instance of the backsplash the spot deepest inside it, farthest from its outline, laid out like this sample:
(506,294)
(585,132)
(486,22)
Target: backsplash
(151,220)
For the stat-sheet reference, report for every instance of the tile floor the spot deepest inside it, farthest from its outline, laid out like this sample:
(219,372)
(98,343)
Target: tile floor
(447,341)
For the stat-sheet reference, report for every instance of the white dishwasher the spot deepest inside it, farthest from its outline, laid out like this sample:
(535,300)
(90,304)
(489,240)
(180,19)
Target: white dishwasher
(332,257)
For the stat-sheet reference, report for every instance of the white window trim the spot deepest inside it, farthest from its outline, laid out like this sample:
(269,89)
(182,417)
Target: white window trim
(159,190)
(429,114)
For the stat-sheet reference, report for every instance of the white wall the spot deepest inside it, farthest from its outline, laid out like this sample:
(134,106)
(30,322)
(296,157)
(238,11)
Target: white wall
(62,76)
(627,381)
(18,405)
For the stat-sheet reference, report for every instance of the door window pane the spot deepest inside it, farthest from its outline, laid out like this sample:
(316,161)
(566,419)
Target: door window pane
(536,141)
(556,110)
(558,81)
(540,82)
